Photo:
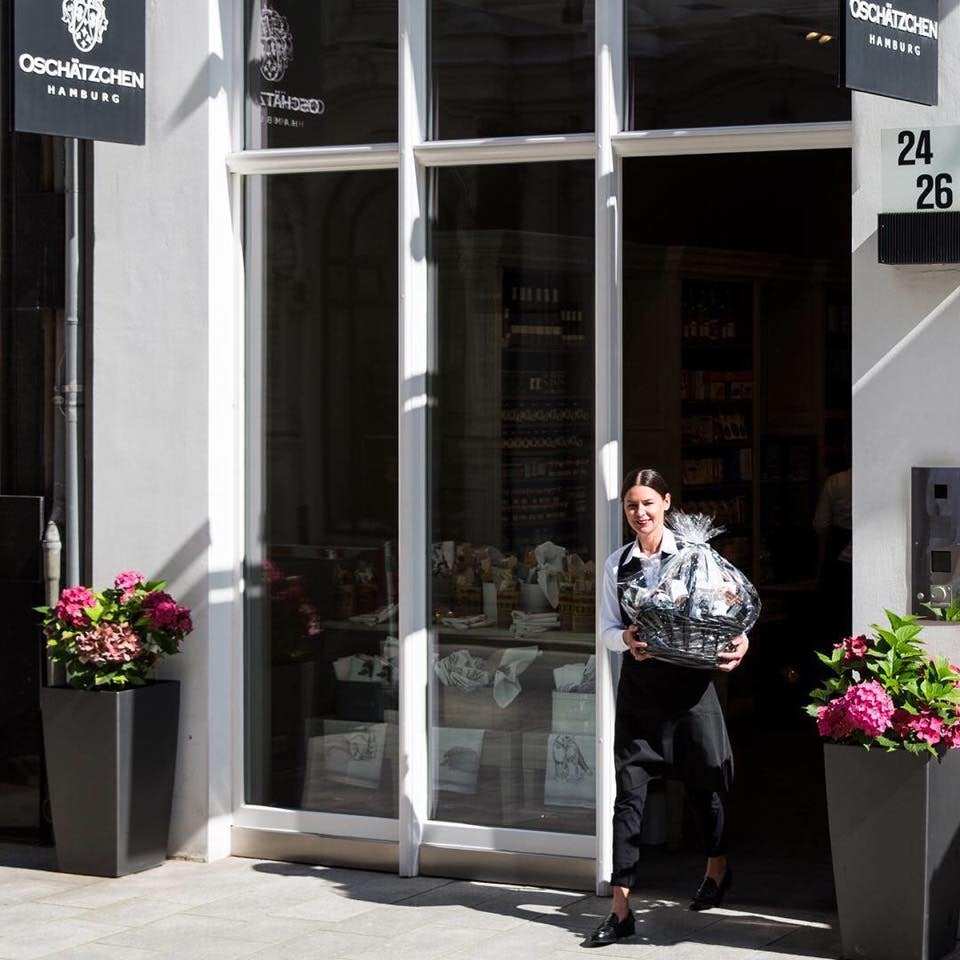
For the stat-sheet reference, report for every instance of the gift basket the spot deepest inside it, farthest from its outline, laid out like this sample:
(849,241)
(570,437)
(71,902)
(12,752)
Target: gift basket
(699,603)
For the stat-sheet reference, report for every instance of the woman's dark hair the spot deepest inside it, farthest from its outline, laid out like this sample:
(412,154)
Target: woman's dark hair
(643,477)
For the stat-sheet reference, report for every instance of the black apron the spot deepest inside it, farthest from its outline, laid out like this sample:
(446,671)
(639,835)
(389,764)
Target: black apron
(669,723)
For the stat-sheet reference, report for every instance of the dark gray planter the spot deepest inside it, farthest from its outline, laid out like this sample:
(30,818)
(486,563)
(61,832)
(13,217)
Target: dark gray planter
(895,837)
(111,758)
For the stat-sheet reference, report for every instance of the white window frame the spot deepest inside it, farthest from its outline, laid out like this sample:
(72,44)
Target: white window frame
(412,157)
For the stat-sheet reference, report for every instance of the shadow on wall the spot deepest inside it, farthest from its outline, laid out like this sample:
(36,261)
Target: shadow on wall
(200,792)
(212,78)
(901,304)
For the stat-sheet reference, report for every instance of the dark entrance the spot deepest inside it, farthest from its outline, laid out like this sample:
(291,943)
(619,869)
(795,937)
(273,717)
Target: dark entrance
(31,298)
(737,387)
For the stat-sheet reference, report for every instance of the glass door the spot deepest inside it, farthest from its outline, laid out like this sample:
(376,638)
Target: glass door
(512,670)
(322,579)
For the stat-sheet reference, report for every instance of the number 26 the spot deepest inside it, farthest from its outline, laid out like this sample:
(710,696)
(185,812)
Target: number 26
(939,187)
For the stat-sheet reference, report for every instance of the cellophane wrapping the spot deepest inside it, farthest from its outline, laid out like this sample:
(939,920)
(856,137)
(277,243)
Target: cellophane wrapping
(699,603)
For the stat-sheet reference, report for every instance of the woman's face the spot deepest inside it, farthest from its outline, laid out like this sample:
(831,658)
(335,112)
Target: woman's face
(644,509)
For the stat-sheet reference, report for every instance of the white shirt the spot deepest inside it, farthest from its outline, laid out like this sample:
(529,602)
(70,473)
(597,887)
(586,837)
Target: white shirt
(611,624)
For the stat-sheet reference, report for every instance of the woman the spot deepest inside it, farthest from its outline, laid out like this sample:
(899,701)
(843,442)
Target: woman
(668,719)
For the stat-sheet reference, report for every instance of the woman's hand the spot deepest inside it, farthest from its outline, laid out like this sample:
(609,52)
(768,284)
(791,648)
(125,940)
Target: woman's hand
(636,647)
(730,661)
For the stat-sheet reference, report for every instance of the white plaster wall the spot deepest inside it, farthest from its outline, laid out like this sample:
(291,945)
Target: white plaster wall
(906,347)
(163,382)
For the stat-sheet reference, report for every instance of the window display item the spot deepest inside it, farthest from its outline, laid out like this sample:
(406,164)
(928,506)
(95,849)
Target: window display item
(699,603)
(385,613)
(345,595)
(471,685)
(347,753)
(367,588)
(546,572)
(462,669)
(467,623)
(457,753)
(533,624)
(569,780)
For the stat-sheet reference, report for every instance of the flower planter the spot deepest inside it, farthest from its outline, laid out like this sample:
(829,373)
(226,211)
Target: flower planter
(111,758)
(895,836)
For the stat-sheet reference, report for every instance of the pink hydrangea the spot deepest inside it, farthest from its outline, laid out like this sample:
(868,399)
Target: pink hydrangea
(855,648)
(869,707)
(832,720)
(73,600)
(311,619)
(128,581)
(927,727)
(166,614)
(950,735)
(900,721)
(108,643)
(273,573)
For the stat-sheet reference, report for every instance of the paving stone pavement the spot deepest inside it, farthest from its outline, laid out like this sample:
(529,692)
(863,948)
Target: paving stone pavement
(285,911)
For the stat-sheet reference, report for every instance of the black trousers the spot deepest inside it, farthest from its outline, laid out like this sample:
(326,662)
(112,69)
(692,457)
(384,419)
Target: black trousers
(707,808)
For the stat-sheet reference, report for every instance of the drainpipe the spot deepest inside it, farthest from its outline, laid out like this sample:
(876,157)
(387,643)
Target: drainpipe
(71,387)
(56,676)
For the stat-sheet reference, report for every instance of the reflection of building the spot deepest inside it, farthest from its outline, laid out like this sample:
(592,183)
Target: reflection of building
(341,371)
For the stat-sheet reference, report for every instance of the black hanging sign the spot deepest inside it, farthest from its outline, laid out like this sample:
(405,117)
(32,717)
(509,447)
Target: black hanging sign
(891,48)
(79,69)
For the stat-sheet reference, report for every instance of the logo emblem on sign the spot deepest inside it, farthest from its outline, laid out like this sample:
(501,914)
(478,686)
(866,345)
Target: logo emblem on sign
(276,45)
(87,22)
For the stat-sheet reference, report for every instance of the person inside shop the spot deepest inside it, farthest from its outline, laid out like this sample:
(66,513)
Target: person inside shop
(668,719)
(833,521)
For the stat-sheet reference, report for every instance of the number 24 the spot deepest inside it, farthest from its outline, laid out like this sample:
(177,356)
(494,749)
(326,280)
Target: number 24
(923,152)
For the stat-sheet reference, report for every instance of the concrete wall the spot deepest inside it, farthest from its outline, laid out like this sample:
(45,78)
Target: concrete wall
(906,345)
(163,382)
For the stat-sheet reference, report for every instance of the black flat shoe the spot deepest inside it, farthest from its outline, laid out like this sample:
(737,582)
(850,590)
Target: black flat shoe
(611,930)
(710,893)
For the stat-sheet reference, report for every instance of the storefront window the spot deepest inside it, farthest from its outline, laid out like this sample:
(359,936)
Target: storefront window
(511,68)
(322,576)
(512,518)
(718,64)
(322,74)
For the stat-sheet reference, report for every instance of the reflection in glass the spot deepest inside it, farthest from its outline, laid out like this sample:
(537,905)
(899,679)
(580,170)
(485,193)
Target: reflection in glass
(720,63)
(512,702)
(511,68)
(322,74)
(322,577)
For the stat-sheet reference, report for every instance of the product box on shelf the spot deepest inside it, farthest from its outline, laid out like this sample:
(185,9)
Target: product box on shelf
(577,611)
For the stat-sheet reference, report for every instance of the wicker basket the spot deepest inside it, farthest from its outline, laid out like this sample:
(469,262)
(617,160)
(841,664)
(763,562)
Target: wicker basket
(368,596)
(673,637)
(467,600)
(345,601)
(507,602)
(583,613)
